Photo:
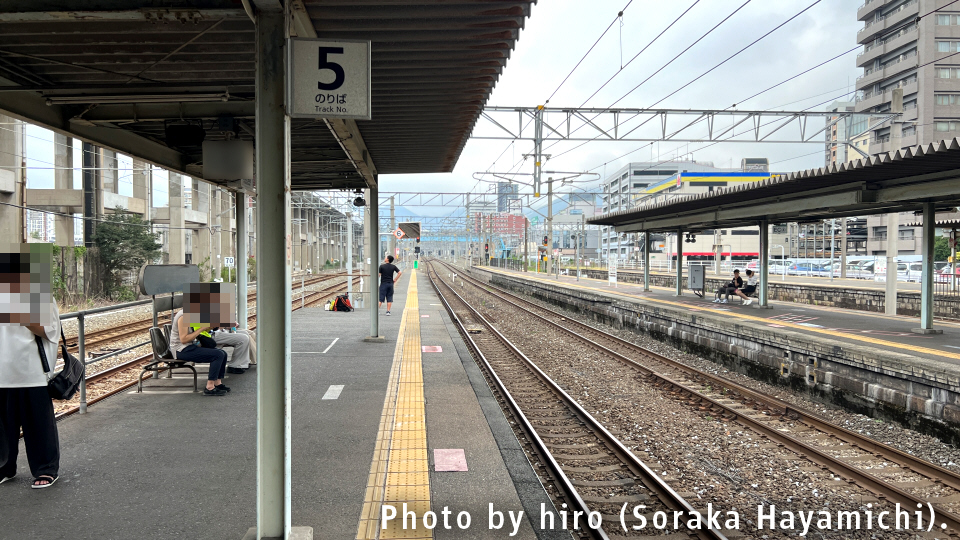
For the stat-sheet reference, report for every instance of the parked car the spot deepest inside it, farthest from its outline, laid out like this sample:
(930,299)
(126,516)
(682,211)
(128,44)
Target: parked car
(943,276)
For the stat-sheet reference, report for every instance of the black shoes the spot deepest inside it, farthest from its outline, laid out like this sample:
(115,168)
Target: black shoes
(223,387)
(236,370)
(215,392)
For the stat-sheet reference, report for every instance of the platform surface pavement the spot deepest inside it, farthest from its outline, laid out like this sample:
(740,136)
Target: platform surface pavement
(848,326)
(173,464)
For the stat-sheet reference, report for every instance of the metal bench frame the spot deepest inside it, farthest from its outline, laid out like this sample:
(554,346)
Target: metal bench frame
(163,359)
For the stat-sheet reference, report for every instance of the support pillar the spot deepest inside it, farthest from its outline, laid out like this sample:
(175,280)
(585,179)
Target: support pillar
(893,229)
(843,247)
(11,179)
(646,261)
(926,280)
(63,180)
(373,258)
(176,245)
(273,289)
(226,230)
(679,262)
(764,263)
(241,216)
(89,193)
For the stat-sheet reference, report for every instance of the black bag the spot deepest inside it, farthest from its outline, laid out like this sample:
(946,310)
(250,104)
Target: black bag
(343,303)
(206,342)
(66,383)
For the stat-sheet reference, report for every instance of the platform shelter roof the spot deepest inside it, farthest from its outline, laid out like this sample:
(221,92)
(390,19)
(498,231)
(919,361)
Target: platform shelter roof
(117,72)
(891,182)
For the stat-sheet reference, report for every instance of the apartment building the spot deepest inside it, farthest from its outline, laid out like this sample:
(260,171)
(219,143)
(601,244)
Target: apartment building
(622,189)
(837,133)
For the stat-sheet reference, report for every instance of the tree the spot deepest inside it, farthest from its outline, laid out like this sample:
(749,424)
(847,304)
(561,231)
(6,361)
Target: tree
(124,243)
(941,249)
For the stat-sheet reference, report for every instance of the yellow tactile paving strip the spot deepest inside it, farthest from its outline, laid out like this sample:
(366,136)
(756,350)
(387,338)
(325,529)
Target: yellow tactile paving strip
(400,471)
(824,331)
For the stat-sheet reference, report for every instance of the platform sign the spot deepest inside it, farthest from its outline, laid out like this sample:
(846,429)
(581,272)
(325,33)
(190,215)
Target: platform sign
(328,78)
(398,233)
(612,272)
(228,262)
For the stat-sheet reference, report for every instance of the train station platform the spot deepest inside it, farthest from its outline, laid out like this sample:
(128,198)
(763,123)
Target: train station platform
(407,421)
(869,362)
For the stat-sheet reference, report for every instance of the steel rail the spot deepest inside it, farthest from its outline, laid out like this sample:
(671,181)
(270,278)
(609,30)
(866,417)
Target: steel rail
(866,480)
(651,479)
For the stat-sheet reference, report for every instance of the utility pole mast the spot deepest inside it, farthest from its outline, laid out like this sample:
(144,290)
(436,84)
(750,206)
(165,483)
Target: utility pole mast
(549,225)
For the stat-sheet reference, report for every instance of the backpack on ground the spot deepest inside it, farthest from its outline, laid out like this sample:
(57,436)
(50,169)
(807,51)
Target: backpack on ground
(342,303)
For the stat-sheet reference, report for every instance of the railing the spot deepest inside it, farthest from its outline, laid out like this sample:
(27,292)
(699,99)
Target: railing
(82,353)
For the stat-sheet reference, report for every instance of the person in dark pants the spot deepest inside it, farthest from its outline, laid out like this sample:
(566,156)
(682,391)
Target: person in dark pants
(730,288)
(183,345)
(387,270)
(24,401)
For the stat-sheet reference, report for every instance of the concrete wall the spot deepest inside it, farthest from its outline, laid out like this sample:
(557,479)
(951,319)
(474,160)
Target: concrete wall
(923,394)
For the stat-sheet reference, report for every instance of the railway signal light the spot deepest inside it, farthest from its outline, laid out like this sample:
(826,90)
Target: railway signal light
(418,239)
(545,241)
(486,247)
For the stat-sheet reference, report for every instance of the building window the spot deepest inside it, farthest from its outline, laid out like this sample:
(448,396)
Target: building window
(947,126)
(947,99)
(944,20)
(947,46)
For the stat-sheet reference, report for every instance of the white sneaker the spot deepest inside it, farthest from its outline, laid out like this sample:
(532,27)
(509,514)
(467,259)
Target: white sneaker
(388,314)
(724,301)
(748,302)
(716,300)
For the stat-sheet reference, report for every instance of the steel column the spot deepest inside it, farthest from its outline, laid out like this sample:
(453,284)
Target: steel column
(646,261)
(350,256)
(764,262)
(273,287)
(241,266)
(679,262)
(926,280)
(373,257)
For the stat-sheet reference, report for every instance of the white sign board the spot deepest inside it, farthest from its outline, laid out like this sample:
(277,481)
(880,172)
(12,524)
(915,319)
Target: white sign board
(328,78)
(398,233)
(228,262)
(612,272)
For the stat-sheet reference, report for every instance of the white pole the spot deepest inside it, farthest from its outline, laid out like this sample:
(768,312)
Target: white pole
(350,257)
(833,227)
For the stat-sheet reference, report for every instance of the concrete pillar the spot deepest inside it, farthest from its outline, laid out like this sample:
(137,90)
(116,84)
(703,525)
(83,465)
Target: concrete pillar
(926,280)
(176,240)
(143,186)
(843,247)
(226,230)
(63,180)
(273,292)
(212,222)
(893,230)
(108,171)
(12,218)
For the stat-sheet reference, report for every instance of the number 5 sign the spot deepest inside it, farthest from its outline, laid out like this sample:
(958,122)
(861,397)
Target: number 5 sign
(328,79)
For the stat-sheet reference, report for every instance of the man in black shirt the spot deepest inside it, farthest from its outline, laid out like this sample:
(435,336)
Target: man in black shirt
(387,270)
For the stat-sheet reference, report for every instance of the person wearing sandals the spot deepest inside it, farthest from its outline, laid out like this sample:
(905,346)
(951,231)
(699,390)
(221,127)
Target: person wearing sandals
(185,346)
(24,401)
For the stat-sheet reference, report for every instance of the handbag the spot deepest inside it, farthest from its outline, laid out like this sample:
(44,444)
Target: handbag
(66,383)
(206,342)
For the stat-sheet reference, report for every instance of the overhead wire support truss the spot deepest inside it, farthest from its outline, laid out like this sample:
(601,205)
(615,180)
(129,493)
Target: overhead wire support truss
(552,124)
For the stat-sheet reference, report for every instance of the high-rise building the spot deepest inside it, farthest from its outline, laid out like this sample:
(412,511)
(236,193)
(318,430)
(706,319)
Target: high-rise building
(507,193)
(837,133)
(913,54)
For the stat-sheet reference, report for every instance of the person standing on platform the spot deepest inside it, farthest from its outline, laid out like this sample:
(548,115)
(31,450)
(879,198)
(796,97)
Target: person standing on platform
(29,319)
(387,270)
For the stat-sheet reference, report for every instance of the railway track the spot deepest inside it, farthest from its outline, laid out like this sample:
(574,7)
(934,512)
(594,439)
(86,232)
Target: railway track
(119,377)
(891,474)
(100,338)
(595,474)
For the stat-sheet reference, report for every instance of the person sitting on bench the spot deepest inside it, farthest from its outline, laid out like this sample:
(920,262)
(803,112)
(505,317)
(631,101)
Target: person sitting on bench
(735,283)
(749,288)
(183,339)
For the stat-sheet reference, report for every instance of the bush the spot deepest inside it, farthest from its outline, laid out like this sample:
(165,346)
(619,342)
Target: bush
(228,275)
(251,269)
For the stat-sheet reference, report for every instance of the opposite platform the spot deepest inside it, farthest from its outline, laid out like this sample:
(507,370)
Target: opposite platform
(867,362)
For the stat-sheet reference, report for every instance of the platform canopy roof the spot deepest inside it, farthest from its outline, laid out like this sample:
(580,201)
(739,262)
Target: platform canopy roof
(892,182)
(117,72)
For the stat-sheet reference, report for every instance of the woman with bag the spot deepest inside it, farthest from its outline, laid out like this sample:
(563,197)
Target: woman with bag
(24,398)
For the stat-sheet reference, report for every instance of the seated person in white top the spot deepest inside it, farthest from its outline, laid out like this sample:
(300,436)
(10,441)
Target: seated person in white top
(749,288)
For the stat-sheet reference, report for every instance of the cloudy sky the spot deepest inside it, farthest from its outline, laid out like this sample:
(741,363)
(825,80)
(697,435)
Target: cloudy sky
(559,32)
